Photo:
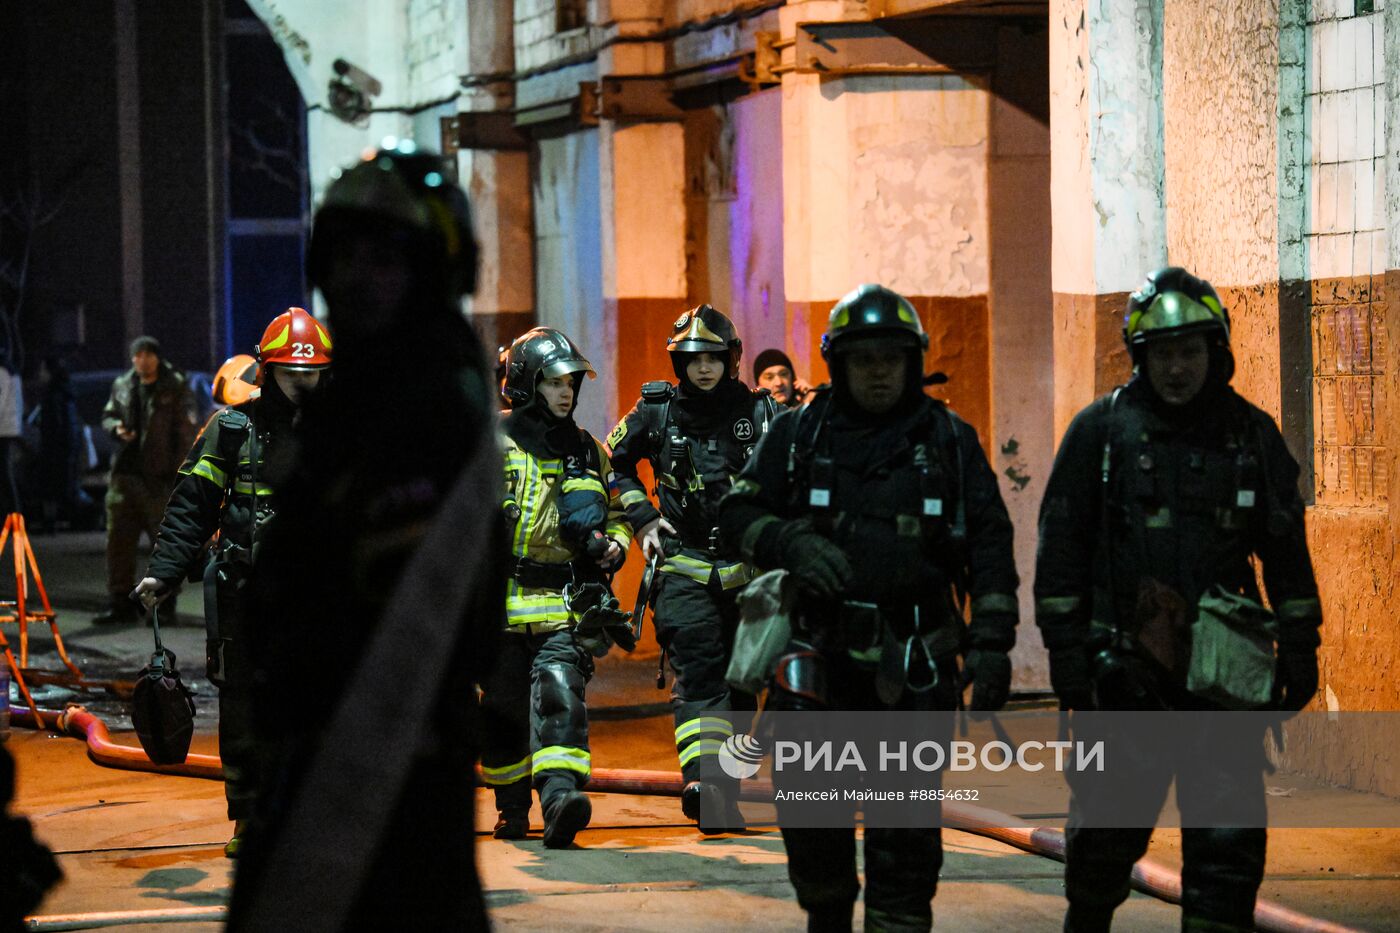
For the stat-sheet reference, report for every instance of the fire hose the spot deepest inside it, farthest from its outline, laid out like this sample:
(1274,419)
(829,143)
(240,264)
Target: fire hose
(1149,876)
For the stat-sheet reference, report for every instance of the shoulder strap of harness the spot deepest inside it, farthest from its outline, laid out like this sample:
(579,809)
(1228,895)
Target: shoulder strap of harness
(234,428)
(657,395)
(765,410)
(811,425)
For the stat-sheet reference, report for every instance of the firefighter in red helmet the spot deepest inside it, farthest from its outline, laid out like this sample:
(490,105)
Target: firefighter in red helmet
(224,488)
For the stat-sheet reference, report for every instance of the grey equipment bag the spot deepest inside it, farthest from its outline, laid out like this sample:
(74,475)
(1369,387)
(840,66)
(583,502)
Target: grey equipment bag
(765,628)
(1232,651)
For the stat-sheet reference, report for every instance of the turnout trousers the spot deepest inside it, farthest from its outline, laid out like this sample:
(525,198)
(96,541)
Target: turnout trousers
(534,719)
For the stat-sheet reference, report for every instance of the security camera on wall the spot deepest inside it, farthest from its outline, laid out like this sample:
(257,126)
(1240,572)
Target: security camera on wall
(352,92)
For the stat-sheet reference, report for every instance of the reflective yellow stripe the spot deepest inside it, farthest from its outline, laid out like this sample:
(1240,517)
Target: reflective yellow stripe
(507,774)
(745,488)
(688,567)
(562,758)
(702,747)
(1300,609)
(525,610)
(528,504)
(246,489)
(734,575)
(620,531)
(205,469)
(583,484)
(701,725)
(994,602)
(633,497)
(1058,605)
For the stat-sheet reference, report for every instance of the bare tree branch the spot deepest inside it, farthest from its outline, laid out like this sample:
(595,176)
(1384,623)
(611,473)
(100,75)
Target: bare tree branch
(271,146)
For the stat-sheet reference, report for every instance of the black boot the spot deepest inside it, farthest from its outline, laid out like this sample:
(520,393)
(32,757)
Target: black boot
(512,824)
(712,812)
(122,611)
(565,813)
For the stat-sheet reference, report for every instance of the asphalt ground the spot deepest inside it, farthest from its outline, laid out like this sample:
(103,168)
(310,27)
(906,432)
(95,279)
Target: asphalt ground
(134,841)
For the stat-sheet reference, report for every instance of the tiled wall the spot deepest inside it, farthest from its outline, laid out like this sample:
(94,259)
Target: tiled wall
(1347,251)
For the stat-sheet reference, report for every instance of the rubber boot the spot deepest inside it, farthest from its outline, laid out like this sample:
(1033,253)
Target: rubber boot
(512,824)
(120,612)
(564,816)
(831,919)
(232,846)
(712,812)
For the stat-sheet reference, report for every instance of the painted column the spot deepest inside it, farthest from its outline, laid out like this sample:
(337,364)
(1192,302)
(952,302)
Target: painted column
(1020,310)
(641,172)
(498,183)
(885,180)
(642,183)
(1107,184)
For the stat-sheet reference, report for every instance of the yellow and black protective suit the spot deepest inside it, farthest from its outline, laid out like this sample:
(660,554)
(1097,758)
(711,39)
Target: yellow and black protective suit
(220,489)
(696,443)
(552,473)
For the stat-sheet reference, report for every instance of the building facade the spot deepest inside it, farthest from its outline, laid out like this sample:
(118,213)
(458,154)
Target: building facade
(1015,168)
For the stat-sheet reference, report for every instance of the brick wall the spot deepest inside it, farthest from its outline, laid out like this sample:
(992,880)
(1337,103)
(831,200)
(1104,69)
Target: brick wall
(1347,252)
(538,40)
(437,39)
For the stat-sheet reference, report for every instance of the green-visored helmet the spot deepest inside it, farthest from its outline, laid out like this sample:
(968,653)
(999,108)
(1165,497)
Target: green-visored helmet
(1173,302)
(540,353)
(868,311)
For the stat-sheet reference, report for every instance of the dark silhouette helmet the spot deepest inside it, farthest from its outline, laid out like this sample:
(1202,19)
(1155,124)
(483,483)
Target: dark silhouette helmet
(540,353)
(409,191)
(1173,302)
(872,310)
(705,330)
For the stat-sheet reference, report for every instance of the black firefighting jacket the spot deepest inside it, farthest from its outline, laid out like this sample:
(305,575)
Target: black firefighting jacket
(696,444)
(1142,498)
(909,498)
(220,488)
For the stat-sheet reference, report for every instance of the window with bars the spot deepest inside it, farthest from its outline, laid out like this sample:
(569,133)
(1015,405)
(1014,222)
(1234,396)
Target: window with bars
(570,14)
(1349,376)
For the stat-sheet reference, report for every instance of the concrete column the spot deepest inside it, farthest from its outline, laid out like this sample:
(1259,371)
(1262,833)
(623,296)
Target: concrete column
(885,180)
(1107,184)
(1021,311)
(642,185)
(498,183)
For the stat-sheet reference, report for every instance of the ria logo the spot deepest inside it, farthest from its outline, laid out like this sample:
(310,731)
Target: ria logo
(741,756)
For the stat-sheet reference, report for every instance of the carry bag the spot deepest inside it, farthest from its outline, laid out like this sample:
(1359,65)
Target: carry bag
(1232,651)
(162,707)
(765,628)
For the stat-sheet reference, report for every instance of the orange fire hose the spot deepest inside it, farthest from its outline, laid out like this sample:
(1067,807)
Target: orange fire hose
(80,724)
(1149,877)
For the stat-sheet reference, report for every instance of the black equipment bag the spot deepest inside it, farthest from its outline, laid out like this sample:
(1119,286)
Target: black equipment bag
(162,707)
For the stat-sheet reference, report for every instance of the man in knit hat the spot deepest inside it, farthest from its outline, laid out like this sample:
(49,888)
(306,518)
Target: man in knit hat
(772,370)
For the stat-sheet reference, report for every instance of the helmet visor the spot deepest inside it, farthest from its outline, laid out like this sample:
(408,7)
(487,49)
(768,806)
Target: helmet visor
(1173,313)
(565,367)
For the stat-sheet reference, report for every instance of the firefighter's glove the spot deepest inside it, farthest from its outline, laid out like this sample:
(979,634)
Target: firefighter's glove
(601,622)
(1297,677)
(1070,678)
(989,672)
(819,567)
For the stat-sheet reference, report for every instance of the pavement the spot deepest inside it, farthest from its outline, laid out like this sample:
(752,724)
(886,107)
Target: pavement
(133,841)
